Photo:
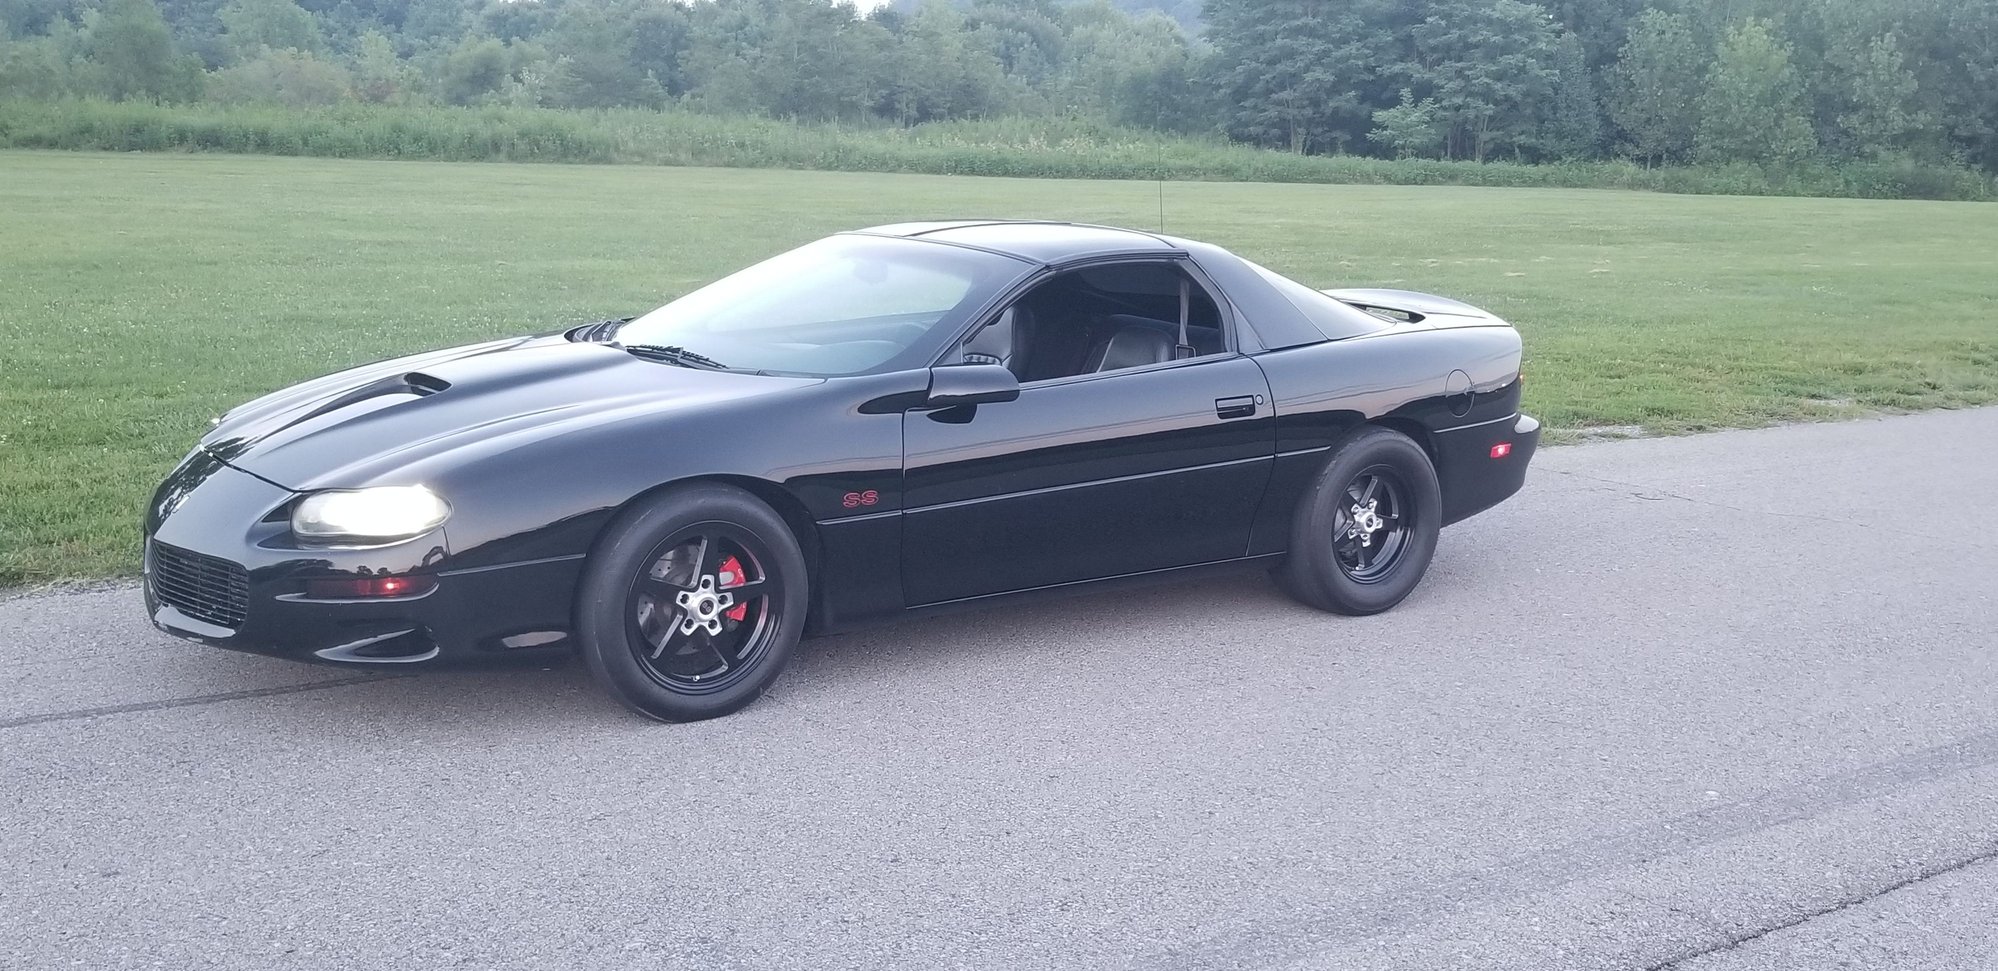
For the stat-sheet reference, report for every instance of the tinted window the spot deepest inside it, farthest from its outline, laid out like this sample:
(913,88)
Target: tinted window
(842,305)
(1097,319)
(1336,320)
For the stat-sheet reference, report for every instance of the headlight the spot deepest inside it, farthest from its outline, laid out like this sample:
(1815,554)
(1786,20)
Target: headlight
(384,513)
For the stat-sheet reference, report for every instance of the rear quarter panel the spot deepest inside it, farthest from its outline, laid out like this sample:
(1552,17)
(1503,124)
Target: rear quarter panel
(1400,378)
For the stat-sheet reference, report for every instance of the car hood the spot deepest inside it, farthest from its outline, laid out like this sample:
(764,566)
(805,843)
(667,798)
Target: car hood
(359,427)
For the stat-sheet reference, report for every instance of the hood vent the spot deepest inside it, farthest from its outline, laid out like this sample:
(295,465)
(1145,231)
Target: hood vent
(421,384)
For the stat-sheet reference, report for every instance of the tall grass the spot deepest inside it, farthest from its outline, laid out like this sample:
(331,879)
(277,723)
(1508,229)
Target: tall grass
(1030,148)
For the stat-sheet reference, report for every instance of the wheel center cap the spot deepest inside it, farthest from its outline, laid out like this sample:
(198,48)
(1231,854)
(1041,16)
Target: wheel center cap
(1366,522)
(703,606)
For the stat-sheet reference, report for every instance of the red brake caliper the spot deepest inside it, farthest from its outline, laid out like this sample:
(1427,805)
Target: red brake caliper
(730,575)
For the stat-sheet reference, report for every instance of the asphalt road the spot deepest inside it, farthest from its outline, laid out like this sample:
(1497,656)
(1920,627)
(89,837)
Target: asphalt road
(1715,703)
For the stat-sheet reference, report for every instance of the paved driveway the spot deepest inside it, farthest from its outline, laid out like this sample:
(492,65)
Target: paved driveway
(1729,700)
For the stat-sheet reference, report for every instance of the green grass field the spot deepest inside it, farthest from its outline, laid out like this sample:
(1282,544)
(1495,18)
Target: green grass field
(142,294)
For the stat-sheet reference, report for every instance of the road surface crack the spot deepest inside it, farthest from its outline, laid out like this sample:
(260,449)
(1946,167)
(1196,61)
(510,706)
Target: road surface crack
(1737,940)
(80,713)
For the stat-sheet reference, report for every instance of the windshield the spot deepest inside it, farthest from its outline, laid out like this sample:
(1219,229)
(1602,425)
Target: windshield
(842,305)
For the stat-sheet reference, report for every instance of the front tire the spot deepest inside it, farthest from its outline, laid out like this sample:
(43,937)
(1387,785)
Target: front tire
(1364,533)
(692,603)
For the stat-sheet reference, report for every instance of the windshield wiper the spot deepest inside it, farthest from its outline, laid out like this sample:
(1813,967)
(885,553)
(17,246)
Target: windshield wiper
(674,355)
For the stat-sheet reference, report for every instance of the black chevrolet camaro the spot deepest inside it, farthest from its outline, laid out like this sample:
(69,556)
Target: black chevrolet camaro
(900,419)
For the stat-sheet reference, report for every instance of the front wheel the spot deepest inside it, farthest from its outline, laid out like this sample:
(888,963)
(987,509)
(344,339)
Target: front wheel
(691,605)
(1364,533)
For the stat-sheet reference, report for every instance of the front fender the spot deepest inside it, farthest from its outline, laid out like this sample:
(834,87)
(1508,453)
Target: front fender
(550,495)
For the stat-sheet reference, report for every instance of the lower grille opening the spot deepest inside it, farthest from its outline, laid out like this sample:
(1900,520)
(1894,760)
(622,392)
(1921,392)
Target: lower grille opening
(207,588)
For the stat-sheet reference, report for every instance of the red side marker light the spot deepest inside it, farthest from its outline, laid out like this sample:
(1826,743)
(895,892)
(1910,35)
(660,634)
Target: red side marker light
(1501,450)
(368,587)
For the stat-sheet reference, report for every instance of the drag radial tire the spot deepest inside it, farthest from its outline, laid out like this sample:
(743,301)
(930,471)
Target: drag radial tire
(1364,532)
(692,602)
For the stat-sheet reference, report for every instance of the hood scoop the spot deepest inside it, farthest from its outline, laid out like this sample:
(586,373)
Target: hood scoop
(401,387)
(345,406)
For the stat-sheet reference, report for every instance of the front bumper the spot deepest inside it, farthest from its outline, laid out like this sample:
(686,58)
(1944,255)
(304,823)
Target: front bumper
(247,589)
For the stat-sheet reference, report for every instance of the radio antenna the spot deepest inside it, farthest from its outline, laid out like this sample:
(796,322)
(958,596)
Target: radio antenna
(1159,130)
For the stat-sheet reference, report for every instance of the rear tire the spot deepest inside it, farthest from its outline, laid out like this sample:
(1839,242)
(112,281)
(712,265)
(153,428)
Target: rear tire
(1364,533)
(692,603)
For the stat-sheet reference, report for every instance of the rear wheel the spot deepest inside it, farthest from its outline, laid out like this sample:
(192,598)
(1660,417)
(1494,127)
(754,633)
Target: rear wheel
(692,604)
(1363,535)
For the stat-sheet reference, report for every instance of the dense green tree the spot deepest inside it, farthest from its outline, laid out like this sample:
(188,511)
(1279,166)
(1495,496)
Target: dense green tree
(1969,105)
(935,72)
(1291,73)
(480,68)
(1574,127)
(135,54)
(381,76)
(53,65)
(1489,64)
(433,25)
(1658,80)
(285,76)
(1602,26)
(1186,13)
(31,18)
(603,56)
(1134,71)
(513,20)
(1881,112)
(1768,81)
(252,26)
(820,62)
(1410,129)
(1025,36)
(1753,109)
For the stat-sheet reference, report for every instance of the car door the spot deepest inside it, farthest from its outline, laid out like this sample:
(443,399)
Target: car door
(1086,476)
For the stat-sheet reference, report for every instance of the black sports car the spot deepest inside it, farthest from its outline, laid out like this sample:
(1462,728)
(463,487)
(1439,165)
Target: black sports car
(899,419)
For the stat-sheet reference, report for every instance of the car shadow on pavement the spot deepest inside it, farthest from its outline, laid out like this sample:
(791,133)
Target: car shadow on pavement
(1091,635)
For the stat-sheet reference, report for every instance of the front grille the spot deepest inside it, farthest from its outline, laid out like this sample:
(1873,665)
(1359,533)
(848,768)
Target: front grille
(205,588)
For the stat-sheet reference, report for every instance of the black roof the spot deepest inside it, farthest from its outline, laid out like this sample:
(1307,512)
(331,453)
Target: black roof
(1032,240)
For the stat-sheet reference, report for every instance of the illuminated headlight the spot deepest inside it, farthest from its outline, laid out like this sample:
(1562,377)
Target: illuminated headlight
(380,514)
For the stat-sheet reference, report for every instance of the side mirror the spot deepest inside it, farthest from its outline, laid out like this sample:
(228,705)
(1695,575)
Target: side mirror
(971,384)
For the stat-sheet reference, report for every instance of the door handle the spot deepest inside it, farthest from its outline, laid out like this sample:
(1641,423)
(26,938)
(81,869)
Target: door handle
(1238,407)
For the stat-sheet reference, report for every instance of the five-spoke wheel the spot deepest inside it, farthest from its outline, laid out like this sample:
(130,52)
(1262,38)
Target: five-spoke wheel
(692,602)
(1363,535)
(1369,532)
(700,613)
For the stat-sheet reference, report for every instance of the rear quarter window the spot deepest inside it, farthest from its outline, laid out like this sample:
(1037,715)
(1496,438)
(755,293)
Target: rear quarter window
(1334,319)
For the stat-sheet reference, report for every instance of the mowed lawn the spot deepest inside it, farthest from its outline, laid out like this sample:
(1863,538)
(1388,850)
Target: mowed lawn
(141,295)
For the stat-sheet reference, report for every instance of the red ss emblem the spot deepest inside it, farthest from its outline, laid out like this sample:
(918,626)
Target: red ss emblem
(855,500)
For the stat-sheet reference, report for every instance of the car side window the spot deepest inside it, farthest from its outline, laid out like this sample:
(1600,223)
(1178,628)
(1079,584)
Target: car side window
(1110,317)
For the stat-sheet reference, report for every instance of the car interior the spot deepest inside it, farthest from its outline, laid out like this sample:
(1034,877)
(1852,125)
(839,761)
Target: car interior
(1101,318)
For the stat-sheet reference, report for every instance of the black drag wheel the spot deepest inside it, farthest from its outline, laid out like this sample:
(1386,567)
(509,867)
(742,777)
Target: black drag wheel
(692,602)
(1364,532)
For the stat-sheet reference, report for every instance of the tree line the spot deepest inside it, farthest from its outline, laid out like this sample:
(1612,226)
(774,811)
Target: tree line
(1769,82)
